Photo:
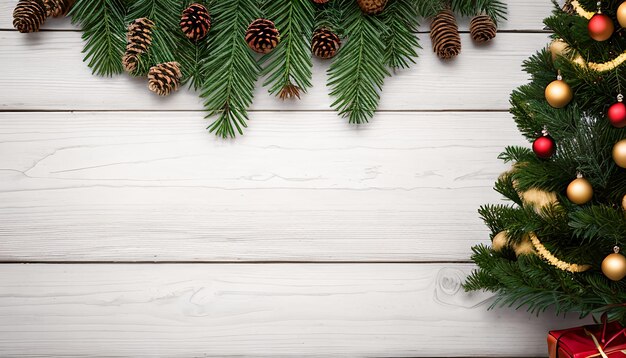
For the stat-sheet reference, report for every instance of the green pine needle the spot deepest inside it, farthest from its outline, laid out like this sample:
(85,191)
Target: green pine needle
(290,63)
(102,22)
(231,70)
(358,72)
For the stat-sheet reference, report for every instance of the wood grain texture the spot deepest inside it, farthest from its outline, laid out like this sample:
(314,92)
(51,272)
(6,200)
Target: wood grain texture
(156,186)
(523,15)
(480,79)
(286,310)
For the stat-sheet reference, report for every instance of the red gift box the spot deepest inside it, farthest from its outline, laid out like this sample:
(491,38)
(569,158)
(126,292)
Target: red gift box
(606,340)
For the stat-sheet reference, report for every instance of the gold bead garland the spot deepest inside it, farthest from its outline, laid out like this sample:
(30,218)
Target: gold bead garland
(580,11)
(552,260)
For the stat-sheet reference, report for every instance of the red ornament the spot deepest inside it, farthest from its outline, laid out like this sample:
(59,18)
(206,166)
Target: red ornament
(544,146)
(617,113)
(600,27)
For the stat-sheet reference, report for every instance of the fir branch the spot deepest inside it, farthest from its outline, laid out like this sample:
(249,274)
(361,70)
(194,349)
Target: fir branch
(289,65)
(102,22)
(231,71)
(400,18)
(358,72)
(496,9)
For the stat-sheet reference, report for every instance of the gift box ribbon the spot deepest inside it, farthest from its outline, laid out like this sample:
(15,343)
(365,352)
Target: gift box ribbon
(601,350)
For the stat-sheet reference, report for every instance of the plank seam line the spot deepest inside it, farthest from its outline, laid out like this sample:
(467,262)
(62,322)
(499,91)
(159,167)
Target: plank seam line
(260,262)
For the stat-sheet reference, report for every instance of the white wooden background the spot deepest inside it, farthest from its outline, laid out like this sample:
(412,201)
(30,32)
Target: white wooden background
(127,230)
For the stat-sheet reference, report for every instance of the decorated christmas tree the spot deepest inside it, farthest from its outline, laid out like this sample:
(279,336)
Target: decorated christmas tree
(560,239)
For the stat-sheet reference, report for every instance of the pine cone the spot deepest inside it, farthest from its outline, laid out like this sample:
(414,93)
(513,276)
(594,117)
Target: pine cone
(262,36)
(164,78)
(195,22)
(325,43)
(29,15)
(289,91)
(482,28)
(372,7)
(444,34)
(568,8)
(320,1)
(56,8)
(138,39)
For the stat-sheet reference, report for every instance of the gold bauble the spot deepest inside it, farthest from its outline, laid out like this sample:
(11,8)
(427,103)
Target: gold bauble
(624,203)
(500,241)
(619,153)
(558,48)
(580,191)
(524,247)
(614,266)
(538,198)
(621,14)
(558,94)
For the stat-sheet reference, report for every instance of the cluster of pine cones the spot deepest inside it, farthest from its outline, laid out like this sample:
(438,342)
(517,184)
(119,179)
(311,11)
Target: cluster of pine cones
(29,15)
(444,33)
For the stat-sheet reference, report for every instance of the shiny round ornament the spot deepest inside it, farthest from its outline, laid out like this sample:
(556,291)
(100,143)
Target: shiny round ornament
(600,27)
(614,266)
(500,241)
(580,191)
(558,93)
(624,202)
(544,147)
(617,114)
(619,153)
(557,48)
(621,14)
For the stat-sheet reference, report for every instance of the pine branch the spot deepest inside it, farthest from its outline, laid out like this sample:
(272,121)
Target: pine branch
(358,72)
(102,22)
(401,43)
(231,71)
(288,66)
(496,9)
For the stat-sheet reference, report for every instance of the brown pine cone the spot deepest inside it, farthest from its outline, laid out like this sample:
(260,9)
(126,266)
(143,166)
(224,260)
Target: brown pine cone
(138,39)
(444,34)
(289,91)
(262,36)
(164,78)
(320,1)
(482,28)
(372,7)
(56,8)
(29,15)
(195,22)
(568,8)
(325,43)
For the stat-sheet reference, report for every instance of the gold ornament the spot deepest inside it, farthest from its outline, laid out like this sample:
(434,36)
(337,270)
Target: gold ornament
(621,14)
(558,93)
(552,260)
(614,265)
(624,203)
(580,11)
(580,191)
(500,241)
(524,247)
(619,153)
(539,198)
(558,48)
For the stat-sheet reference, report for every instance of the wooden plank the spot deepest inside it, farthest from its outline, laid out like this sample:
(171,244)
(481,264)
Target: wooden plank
(381,310)
(523,15)
(156,186)
(481,78)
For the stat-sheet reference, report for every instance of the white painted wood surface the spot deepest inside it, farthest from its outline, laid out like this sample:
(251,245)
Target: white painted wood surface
(373,224)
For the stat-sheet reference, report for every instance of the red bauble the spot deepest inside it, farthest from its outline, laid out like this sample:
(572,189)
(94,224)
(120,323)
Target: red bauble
(617,115)
(600,27)
(544,147)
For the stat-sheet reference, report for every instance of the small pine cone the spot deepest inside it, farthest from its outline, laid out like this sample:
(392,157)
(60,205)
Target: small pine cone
(568,8)
(29,15)
(320,1)
(325,43)
(262,36)
(195,22)
(289,91)
(56,8)
(138,39)
(164,78)
(444,34)
(482,28)
(372,7)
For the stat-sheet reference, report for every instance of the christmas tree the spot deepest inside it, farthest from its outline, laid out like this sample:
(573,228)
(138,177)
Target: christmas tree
(557,242)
